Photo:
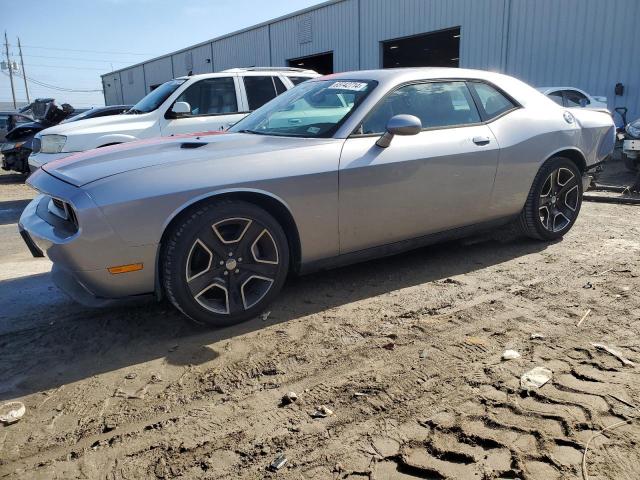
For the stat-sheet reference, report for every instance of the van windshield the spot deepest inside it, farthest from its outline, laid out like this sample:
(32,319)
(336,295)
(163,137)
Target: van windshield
(155,98)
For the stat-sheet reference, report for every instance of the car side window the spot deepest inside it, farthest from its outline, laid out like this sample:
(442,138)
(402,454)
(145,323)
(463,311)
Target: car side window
(212,96)
(260,90)
(4,121)
(436,104)
(492,101)
(556,97)
(575,99)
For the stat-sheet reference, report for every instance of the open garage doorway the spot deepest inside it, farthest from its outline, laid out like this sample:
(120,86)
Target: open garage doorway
(435,49)
(321,63)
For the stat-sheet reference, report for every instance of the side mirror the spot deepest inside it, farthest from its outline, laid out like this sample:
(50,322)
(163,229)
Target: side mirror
(400,125)
(180,108)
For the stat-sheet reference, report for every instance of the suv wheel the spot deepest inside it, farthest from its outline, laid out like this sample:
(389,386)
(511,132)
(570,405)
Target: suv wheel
(225,262)
(554,200)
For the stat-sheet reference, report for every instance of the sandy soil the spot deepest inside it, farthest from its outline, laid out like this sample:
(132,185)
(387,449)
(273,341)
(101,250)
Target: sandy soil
(406,353)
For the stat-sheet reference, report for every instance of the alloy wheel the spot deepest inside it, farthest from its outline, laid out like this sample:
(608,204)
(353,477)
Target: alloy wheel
(232,265)
(559,200)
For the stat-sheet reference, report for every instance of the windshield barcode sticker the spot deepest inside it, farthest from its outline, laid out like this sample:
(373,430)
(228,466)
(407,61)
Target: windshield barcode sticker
(353,86)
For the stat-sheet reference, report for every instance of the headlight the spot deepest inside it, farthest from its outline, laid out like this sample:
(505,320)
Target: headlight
(633,129)
(52,143)
(11,145)
(36,145)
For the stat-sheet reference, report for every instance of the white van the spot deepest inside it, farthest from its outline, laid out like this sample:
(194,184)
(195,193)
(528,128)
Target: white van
(197,103)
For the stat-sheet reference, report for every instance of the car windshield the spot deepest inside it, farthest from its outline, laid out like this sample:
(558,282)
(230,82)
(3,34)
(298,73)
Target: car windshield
(313,109)
(156,97)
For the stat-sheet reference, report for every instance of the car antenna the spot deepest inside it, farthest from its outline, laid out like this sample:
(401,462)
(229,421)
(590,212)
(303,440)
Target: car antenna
(190,73)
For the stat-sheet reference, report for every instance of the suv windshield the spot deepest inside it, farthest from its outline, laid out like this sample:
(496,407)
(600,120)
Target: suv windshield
(313,109)
(156,97)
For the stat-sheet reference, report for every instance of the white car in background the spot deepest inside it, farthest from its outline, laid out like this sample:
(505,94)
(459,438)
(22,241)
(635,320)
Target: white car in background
(571,97)
(191,104)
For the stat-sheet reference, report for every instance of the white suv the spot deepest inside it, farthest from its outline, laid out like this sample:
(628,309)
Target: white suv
(197,103)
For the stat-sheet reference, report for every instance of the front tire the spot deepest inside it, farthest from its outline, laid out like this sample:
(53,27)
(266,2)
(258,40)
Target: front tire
(554,201)
(224,262)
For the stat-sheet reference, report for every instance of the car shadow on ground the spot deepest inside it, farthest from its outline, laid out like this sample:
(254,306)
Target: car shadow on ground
(8,178)
(61,342)
(11,210)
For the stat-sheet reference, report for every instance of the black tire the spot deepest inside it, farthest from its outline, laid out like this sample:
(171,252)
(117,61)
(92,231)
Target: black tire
(221,250)
(630,163)
(563,207)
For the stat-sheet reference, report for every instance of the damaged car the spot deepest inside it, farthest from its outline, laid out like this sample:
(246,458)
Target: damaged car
(339,169)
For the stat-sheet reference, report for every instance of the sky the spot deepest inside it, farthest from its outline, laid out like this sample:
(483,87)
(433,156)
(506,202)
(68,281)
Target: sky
(70,43)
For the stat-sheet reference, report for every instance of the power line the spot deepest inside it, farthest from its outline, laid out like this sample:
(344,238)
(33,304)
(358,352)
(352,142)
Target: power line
(67,67)
(54,87)
(75,58)
(87,51)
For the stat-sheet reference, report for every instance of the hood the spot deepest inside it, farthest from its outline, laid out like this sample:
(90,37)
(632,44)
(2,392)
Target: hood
(97,124)
(25,130)
(86,167)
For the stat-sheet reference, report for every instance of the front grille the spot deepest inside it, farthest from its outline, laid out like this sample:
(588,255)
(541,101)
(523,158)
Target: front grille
(64,211)
(36,144)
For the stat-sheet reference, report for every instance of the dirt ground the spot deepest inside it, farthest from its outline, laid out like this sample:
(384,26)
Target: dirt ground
(405,352)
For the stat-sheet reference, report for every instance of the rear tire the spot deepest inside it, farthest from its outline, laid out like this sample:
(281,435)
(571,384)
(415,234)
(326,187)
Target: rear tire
(554,201)
(224,262)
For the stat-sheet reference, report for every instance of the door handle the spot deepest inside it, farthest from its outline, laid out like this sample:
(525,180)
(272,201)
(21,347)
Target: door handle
(481,140)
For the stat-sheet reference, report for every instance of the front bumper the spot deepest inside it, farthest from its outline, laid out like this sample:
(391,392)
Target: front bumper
(82,256)
(37,160)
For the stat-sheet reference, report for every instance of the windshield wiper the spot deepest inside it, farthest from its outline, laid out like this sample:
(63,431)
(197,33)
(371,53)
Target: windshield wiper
(134,111)
(246,130)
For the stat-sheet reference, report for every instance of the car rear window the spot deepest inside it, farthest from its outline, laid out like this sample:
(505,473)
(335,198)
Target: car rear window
(491,100)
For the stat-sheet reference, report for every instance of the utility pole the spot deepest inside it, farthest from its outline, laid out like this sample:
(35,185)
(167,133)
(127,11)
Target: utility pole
(6,47)
(24,73)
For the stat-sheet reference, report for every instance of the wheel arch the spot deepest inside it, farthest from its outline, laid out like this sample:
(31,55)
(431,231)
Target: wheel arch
(274,205)
(573,154)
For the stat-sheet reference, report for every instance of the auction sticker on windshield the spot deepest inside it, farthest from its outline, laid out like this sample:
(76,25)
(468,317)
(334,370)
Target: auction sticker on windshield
(353,86)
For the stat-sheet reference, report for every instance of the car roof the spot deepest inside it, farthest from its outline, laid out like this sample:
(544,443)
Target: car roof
(523,93)
(287,71)
(553,89)
(396,75)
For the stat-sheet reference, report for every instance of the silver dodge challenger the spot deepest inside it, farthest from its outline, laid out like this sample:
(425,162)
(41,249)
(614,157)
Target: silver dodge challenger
(340,169)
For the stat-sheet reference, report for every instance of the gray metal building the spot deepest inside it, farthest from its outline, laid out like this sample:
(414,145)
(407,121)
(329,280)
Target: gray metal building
(589,44)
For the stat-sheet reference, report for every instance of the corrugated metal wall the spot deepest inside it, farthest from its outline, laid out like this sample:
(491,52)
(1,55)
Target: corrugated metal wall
(247,49)
(329,28)
(111,88)
(197,60)
(589,44)
(158,71)
(583,43)
(132,81)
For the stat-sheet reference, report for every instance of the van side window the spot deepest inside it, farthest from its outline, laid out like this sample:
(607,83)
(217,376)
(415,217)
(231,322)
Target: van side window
(297,80)
(280,88)
(259,90)
(212,96)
